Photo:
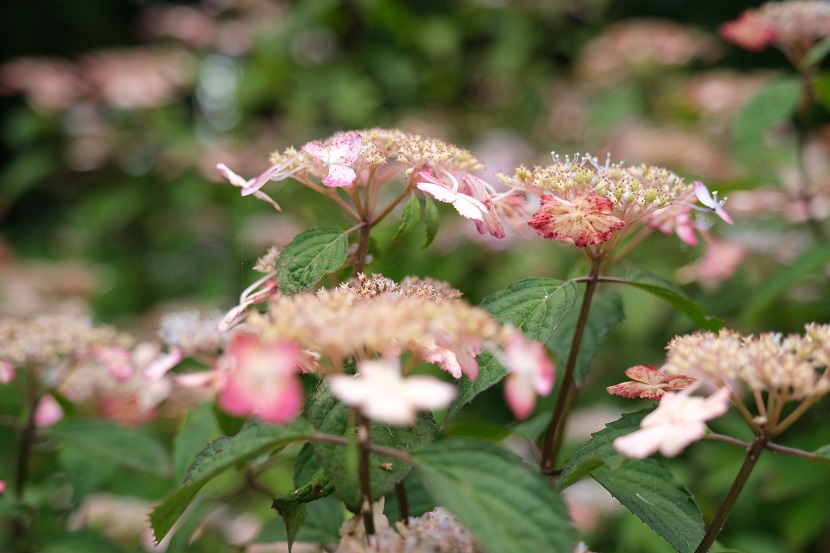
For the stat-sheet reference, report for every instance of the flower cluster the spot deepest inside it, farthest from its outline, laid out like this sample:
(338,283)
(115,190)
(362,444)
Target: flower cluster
(794,27)
(375,323)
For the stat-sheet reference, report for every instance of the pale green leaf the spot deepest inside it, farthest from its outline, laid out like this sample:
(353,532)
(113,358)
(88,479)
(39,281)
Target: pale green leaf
(309,256)
(198,428)
(431,219)
(773,104)
(506,506)
(410,217)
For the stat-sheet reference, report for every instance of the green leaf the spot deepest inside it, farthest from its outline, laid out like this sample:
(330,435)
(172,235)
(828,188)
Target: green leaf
(506,506)
(330,416)
(815,54)
(180,540)
(86,473)
(536,306)
(254,439)
(309,256)
(410,217)
(821,88)
(606,311)
(311,484)
(431,220)
(77,542)
(823,451)
(199,428)
(125,446)
(808,262)
(773,104)
(668,293)
(643,486)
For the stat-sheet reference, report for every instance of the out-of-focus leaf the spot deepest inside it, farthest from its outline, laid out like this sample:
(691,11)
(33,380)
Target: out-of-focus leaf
(85,472)
(815,54)
(199,428)
(506,506)
(771,105)
(77,542)
(124,446)
(309,256)
(254,439)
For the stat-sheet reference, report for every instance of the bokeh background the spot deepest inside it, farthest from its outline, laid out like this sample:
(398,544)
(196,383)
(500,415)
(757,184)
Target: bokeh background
(114,113)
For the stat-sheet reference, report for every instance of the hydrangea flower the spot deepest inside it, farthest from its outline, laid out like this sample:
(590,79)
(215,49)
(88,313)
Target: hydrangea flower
(586,220)
(383,395)
(648,382)
(678,421)
(339,156)
(465,204)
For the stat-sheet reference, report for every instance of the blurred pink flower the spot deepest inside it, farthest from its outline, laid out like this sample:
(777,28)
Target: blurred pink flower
(2,487)
(749,32)
(531,372)
(465,204)
(586,220)
(48,411)
(678,421)
(710,200)
(6,372)
(236,180)
(454,358)
(719,262)
(262,379)
(338,156)
(648,383)
(383,395)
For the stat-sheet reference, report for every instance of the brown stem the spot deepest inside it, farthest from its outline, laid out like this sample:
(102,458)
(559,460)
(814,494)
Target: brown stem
(403,501)
(364,471)
(752,455)
(550,447)
(20,526)
(362,249)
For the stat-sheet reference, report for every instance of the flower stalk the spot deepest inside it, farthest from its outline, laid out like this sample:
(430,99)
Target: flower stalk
(20,527)
(364,471)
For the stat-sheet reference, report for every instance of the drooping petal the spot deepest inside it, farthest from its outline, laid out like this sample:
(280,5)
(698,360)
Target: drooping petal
(240,182)
(710,201)
(648,383)
(587,220)
(520,395)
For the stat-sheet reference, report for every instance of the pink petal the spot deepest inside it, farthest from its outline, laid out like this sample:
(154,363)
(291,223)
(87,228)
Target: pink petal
(316,149)
(2,487)
(642,443)
(6,372)
(339,175)
(520,395)
(440,193)
(163,363)
(117,360)
(469,207)
(260,181)
(344,149)
(48,411)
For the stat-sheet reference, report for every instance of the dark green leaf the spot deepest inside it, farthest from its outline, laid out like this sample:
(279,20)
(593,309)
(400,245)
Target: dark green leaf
(309,256)
(410,217)
(330,416)
(479,430)
(85,472)
(431,220)
(124,446)
(668,293)
(78,542)
(643,486)
(782,280)
(821,89)
(187,526)
(773,104)
(199,428)
(606,311)
(254,439)
(506,506)
(536,306)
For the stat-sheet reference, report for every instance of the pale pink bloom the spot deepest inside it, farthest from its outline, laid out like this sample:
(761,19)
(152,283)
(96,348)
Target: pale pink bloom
(275,172)
(454,358)
(383,395)
(338,156)
(154,364)
(648,383)
(531,372)
(117,360)
(240,182)
(749,32)
(719,262)
(466,205)
(678,421)
(262,379)
(710,200)
(490,222)
(258,292)
(6,372)
(48,411)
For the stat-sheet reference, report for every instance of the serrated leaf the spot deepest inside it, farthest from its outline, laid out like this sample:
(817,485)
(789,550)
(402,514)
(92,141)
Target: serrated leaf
(782,280)
(606,311)
(643,486)
(506,506)
(292,515)
(309,256)
(125,446)
(410,217)
(534,305)
(198,428)
(773,104)
(330,416)
(180,539)
(674,297)
(254,439)
(431,219)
